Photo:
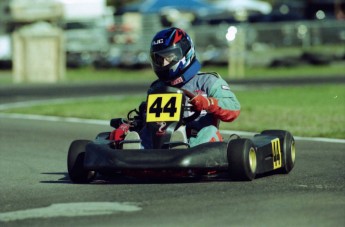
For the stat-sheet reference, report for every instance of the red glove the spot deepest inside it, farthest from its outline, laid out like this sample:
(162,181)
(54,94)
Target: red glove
(119,133)
(200,103)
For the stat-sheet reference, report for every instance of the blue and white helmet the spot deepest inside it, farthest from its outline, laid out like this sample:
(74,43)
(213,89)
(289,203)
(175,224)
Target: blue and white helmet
(172,53)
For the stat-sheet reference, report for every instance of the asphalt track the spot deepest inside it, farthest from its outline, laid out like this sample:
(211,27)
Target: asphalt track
(36,191)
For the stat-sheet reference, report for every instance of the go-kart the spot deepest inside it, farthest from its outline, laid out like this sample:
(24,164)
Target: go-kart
(237,158)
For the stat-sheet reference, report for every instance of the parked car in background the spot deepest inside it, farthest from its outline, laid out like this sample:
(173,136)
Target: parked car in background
(235,11)
(5,51)
(85,26)
(5,37)
(84,39)
(294,10)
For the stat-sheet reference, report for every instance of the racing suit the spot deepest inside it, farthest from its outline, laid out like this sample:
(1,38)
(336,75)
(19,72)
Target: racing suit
(205,127)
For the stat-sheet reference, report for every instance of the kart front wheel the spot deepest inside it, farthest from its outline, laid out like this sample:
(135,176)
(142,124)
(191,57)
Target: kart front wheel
(242,159)
(75,163)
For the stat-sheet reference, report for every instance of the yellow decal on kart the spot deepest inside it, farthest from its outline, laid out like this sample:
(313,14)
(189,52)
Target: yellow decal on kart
(277,154)
(163,107)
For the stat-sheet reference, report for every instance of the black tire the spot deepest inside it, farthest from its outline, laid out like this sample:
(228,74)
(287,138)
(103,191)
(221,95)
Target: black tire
(75,163)
(242,159)
(289,149)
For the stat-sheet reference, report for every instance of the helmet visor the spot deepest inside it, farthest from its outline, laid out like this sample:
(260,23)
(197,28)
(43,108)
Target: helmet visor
(166,57)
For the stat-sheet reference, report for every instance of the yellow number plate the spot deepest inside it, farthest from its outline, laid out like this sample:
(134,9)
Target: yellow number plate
(277,154)
(163,107)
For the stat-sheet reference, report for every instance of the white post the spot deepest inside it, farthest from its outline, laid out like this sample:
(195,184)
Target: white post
(38,54)
(236,55)
(38,46)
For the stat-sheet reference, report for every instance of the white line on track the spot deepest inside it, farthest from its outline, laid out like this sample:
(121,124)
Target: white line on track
(317,139)
(70,210)
(30,103)
(105,122)
(54,118)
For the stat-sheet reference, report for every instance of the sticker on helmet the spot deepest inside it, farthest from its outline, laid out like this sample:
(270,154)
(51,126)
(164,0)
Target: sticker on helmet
(156,42)
(176,81)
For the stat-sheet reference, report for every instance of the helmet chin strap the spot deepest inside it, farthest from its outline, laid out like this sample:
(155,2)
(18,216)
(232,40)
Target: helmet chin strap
(188,74)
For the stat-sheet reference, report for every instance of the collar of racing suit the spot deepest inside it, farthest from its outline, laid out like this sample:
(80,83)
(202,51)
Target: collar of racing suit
(187,75)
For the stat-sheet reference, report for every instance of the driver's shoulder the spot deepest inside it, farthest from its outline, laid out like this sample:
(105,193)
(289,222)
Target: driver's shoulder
(206,79)
(155,85)
(213,75)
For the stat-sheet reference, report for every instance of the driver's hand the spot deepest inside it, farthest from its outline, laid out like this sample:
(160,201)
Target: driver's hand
(120,133)
(200,103)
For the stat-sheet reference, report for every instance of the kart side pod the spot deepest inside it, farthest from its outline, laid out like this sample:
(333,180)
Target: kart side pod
(271,150)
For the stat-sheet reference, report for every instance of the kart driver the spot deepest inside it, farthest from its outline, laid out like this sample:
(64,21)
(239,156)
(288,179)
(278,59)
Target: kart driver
(175,64)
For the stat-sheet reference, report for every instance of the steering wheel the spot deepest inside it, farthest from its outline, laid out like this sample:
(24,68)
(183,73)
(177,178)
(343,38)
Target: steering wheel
(196,114)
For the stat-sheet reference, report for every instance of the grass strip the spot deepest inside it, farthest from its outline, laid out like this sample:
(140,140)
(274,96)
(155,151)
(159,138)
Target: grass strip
(316,111)
(91,75)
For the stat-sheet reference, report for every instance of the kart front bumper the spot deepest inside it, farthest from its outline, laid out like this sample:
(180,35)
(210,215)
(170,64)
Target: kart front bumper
(99,156)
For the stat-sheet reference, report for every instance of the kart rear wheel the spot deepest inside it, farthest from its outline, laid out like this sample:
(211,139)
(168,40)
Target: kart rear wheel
(75,163)
(242,159)
(289,149)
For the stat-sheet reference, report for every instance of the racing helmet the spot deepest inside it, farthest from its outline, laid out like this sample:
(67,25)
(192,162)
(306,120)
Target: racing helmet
(172,53)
